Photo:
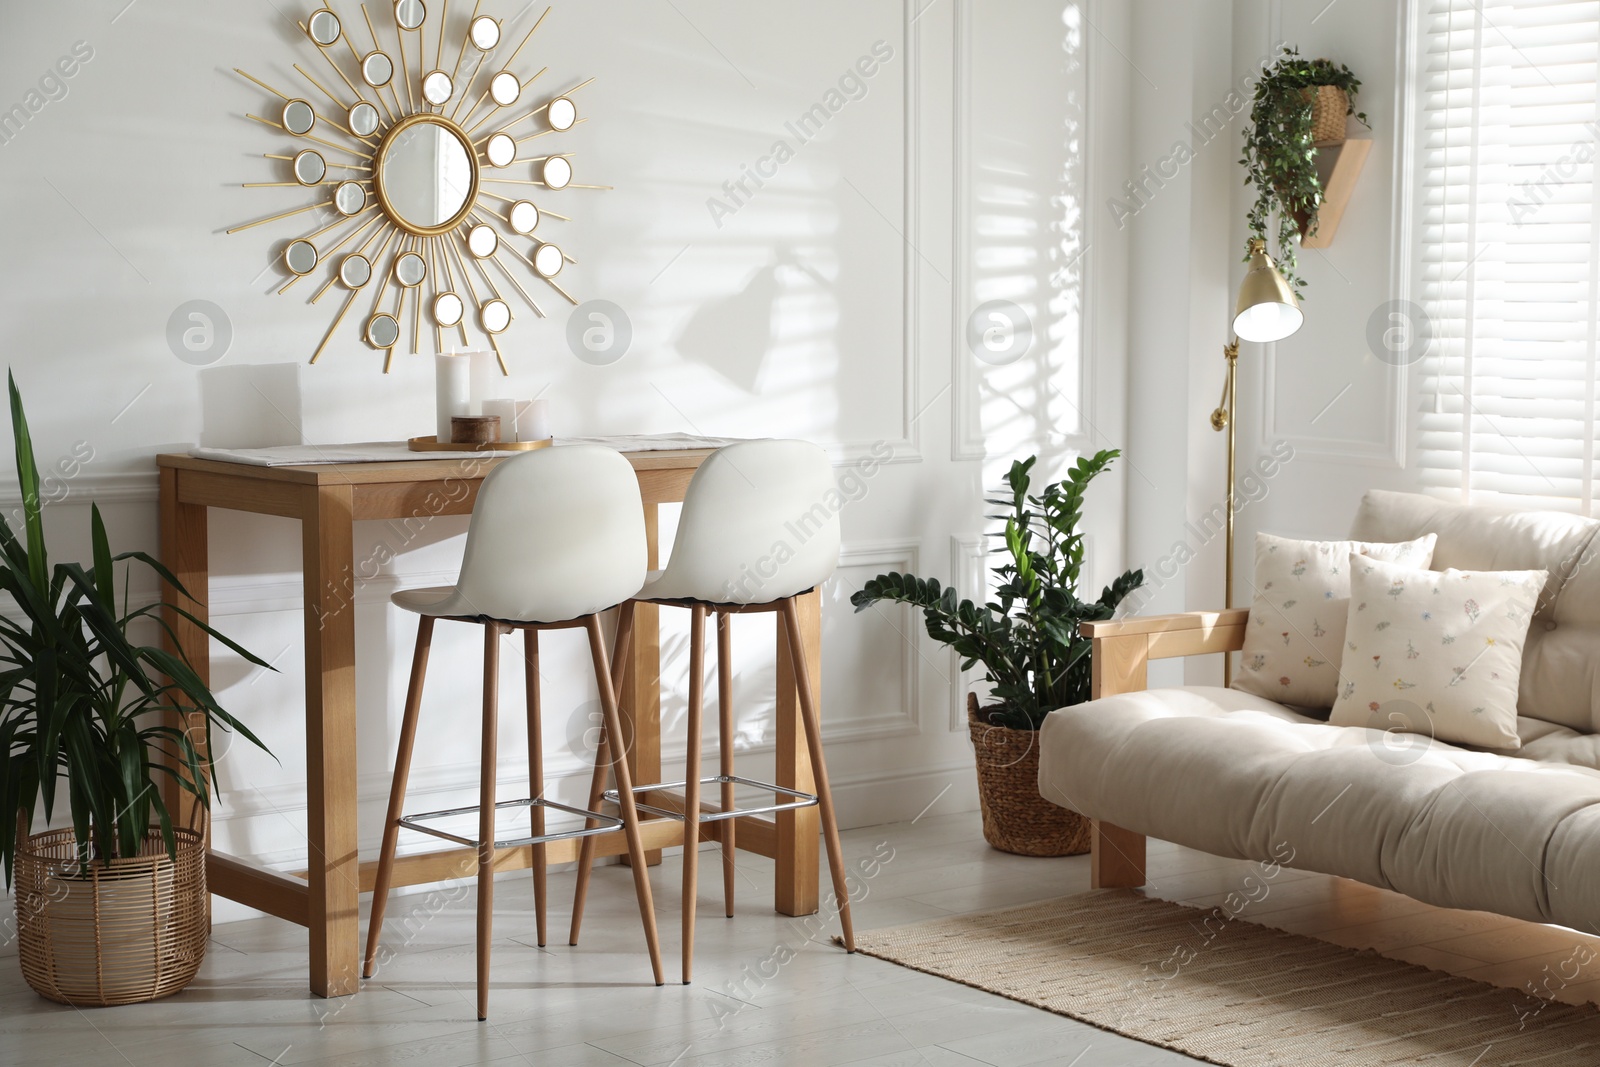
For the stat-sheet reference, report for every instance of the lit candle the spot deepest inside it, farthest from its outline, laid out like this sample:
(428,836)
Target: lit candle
(507,410)
(452,391)
(534,423)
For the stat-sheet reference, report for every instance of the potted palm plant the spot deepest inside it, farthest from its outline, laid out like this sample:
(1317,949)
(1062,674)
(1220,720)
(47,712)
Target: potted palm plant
(1298,104)
(112,909)
(1027,638)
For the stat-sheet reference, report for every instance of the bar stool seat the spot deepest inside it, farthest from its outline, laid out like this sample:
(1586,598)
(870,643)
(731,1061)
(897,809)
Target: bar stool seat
(743,502)
(423,601)
(556,537)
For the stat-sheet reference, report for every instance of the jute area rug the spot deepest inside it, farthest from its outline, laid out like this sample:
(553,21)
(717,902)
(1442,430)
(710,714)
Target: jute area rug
(1234,993)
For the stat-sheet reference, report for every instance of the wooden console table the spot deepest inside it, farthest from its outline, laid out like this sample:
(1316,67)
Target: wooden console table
(328,499)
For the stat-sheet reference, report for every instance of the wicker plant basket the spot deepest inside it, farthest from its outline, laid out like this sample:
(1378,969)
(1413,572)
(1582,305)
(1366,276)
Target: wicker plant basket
(1015,817)
(130,930)
(1329,105)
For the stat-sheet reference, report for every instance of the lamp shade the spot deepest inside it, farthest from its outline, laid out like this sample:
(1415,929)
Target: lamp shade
(1267,308)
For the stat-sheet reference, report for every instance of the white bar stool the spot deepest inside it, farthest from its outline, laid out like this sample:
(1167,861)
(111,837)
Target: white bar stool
(556,537)
(744,502)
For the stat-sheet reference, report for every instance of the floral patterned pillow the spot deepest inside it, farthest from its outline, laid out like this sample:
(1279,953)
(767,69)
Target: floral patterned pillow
(1444,643)
(1295,639)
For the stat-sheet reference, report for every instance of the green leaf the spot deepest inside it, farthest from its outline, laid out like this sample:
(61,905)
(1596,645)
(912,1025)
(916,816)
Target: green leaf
(28,485)
(104,579)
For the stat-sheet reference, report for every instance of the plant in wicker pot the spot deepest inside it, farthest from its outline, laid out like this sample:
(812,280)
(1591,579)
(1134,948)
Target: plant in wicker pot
(1027,638)
(1298,104)
(114,909)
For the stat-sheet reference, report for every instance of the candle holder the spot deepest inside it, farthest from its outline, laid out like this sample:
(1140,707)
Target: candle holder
(431,444)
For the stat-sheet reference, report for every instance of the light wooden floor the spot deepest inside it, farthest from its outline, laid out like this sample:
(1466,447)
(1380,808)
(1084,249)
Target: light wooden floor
(767,992)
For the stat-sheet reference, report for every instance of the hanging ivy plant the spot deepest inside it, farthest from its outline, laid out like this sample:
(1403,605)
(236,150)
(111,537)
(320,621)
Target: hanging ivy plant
(1280,153)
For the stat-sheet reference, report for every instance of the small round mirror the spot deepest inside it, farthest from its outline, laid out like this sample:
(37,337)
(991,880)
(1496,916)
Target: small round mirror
(547,260)
(524,216)
(494,316)
(485,33)
(438,88)
(425,175)
(562,113)
(382,331)
(363,119)
(323,27)
(482,241)
(504,88)
(557,172)
(501,150)
(409,14)
(298,118)
(355,271)
(309,167)
(300,257)
(349,198)
(447,309)
(377,69)
(410,270)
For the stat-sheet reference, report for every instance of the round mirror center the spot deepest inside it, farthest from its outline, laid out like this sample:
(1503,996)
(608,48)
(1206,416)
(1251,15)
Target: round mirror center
(426,175)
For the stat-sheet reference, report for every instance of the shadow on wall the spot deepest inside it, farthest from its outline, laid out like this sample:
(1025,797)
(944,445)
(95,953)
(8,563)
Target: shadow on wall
(733,335)
(1029,249)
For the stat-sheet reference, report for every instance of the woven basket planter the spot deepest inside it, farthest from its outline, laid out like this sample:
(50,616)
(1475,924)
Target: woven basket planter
(1329,105)
(129,930)
(1015,817)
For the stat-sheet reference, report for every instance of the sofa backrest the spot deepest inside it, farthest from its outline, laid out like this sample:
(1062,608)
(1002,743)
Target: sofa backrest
(1561,662)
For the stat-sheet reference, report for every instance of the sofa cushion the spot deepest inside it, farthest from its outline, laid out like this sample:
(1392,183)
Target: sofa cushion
(1239,776)
(1295,641)
(1546,742)
(1561,660)
(1442,644)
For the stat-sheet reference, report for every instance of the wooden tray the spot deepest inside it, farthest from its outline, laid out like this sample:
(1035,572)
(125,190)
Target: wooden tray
(431,443)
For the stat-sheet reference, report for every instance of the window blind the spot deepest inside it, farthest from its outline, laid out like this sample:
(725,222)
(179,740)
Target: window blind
(1503,245)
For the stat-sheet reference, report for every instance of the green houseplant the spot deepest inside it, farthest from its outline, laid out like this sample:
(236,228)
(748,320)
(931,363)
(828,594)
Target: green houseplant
(85,706)
(1280,146)
(1027,639)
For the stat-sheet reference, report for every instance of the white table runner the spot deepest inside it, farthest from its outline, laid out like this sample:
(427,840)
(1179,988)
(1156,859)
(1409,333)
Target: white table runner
(396,451)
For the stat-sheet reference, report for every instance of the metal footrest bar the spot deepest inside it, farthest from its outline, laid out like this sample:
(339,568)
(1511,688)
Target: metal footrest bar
(802,800)
(608,823)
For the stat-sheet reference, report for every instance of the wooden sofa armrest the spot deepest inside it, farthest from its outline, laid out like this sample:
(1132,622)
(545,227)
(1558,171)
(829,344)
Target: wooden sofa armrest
(1123,647)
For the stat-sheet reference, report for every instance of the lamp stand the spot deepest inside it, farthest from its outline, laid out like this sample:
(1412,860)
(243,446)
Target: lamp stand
(1222,419)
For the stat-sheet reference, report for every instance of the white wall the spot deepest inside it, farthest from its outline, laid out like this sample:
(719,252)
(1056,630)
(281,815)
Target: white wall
(832,305)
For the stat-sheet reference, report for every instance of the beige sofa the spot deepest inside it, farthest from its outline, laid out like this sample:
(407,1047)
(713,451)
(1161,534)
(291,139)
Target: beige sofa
(1236,775)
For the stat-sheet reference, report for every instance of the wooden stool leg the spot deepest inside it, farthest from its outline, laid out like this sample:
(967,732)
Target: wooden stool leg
(691,788)
(602,764)
(725,739)
(624,780)
(489,757)
(530,666)
(813,729)
(397,792)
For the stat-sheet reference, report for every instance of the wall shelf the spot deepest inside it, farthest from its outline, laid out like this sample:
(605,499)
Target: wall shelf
(1339,164)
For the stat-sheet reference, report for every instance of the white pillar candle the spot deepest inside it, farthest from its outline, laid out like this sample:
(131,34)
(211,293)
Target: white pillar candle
(507,410)
(452,391)
(534,425)
(485,372)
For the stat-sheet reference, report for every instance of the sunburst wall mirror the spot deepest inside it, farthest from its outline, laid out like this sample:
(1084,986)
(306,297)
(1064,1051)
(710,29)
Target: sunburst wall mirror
(419,161)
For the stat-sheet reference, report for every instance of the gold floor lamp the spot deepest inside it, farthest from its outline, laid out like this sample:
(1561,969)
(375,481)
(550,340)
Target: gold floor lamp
(1267,311)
